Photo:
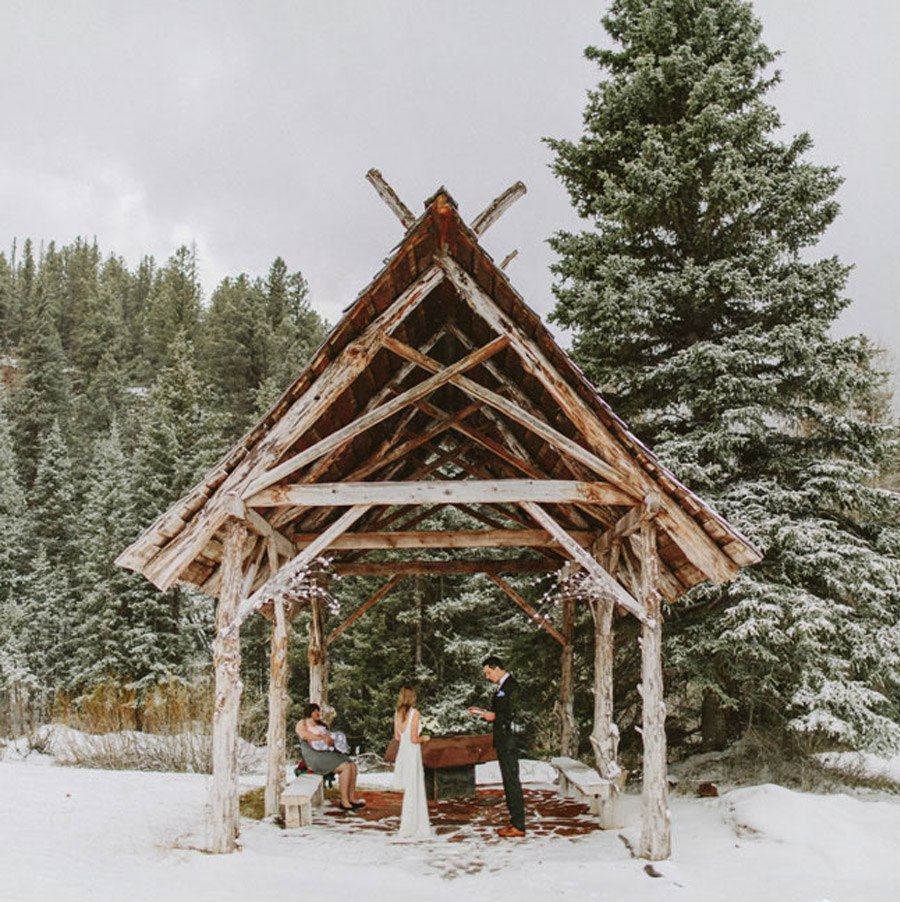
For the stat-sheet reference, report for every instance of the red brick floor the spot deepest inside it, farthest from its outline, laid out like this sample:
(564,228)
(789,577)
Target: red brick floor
(477,817)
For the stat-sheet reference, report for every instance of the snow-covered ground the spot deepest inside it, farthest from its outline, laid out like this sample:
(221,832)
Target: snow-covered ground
(76,834)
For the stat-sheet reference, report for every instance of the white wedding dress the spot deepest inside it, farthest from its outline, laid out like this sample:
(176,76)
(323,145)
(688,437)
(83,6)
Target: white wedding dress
(409,778)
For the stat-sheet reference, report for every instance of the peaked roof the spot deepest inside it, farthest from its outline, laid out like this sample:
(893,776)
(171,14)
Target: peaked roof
(438,371)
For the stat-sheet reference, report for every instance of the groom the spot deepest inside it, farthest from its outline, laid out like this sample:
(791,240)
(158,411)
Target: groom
(501,715)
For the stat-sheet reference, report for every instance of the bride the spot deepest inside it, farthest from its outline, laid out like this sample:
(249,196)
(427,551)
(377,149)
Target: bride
(409,775)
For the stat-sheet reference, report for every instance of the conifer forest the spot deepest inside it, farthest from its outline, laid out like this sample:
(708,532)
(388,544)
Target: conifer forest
(698,305)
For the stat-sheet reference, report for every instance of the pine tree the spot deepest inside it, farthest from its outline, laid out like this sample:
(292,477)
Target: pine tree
(297,329)
(54,501)
(179,441)
(104,633)
(43,394)
(701,315)
(173,306)
(235,346)
(9,307)
(15,559)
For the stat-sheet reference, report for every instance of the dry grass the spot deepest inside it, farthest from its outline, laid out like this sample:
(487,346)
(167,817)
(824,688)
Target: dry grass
(252,803)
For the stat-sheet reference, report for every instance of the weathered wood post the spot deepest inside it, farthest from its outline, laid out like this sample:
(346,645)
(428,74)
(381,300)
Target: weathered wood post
(278,703)
(318,646)
(605,735)
(656,832)
(568,733)
(227,666)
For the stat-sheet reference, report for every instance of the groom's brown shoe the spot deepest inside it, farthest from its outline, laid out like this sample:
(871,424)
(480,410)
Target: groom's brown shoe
(510,831)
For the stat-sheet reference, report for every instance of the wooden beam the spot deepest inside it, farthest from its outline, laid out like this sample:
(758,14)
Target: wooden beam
(403,450)
(524,418)
(279,583)
(440,568)
(457,538)
(497,207)
(697,545)
(391,198)
(606,583)
(261,525)
(317,650)
(568,725)
(369,603)
(509,259)
(276,749)
(227,667)
(164,569)
(512,460)
(386,391)
(515,392)
(367,420)
(628,523)
(528,609)
(656,825)
(469,491)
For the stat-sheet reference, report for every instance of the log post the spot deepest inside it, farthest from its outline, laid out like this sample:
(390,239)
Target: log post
(656,832)
(605,735)
(318,647)
(568,732)
(276,740)
(227,665)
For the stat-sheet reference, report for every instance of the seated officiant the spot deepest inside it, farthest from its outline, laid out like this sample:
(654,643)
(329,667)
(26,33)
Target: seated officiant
(317,744)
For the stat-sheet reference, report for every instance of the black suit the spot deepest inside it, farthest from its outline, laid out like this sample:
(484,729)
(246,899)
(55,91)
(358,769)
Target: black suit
(503,706)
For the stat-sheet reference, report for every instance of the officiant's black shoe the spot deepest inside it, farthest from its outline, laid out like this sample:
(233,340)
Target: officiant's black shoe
(359,804)
(510,831)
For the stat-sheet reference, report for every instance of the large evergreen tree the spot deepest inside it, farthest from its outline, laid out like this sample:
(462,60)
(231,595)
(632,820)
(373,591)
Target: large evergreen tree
(15,559)
(700,312)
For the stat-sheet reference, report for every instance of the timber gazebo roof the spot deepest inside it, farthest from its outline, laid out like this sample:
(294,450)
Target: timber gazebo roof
(440,386)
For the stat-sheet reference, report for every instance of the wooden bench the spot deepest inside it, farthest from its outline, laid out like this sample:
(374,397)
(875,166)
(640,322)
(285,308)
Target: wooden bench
(577,780)
(298,798)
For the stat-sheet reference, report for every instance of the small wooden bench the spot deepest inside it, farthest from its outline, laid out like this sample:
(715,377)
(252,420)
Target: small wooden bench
(577,780)
(298,798)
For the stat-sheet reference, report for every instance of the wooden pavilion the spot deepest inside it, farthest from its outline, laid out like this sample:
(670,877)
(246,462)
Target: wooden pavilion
(439,386)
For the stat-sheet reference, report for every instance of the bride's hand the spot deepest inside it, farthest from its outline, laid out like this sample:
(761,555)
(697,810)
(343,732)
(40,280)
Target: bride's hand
(424,738)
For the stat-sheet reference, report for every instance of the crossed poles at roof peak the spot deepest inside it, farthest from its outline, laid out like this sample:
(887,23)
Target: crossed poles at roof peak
(479,225)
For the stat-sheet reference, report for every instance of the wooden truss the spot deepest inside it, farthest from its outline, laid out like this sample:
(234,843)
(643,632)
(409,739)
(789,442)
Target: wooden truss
(440,389)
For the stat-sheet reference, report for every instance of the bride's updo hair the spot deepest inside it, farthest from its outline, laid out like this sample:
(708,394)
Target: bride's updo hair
(405,700)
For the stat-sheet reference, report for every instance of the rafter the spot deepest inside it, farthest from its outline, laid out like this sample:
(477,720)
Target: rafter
(387,390)
(279,584)
(367,605)
(391,198)
(383,412)
(515,392)
(166,566)
(682,529)
(527,608)
(497,207)
(616,591)
(517,414)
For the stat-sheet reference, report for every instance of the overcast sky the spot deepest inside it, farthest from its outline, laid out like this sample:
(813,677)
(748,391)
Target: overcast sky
(248,127)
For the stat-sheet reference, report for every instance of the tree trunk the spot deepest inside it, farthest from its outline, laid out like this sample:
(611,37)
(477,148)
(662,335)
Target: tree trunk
(227,665)
(276,740)
(418,594)
(712,723)
(656,832)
